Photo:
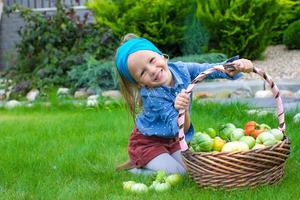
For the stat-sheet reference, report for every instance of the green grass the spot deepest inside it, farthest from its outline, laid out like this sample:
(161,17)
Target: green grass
(67,153)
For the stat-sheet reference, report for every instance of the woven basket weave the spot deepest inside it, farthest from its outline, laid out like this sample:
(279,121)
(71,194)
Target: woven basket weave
(241,169)
(233,170)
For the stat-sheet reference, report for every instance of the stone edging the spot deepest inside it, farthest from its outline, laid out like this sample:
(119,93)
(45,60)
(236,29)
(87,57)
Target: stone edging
(254,85)
(224,87)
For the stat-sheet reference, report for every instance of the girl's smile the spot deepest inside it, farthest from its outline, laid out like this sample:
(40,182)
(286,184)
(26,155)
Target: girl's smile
(149,69)
(159,76)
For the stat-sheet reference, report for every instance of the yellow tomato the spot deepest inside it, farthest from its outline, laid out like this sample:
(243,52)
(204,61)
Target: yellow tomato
(218,144)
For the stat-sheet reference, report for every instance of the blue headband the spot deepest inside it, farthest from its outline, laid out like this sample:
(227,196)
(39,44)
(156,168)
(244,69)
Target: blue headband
(129,47)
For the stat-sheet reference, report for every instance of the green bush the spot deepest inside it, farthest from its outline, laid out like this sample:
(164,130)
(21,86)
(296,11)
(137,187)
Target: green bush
(93,74)
(291,36)
(195,40)
(203,58)
(161,21)
(238,26)
(51,44)
(289,12)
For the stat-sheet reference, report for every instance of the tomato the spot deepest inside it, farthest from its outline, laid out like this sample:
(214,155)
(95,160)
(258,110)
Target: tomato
(253,129)
(250,127)
(257,132)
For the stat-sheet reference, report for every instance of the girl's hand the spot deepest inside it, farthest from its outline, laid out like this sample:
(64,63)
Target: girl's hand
(182,101)
(240,65)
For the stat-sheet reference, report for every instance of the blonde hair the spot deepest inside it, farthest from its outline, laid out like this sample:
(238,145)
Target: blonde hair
(130,91)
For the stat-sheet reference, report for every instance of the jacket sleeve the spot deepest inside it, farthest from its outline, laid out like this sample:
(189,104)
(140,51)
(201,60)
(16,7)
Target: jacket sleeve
(195,69)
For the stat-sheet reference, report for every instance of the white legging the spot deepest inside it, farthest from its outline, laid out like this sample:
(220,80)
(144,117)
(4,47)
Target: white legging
(170,163)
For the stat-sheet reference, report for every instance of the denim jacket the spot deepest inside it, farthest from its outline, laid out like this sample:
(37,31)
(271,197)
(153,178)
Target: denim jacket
(159,116)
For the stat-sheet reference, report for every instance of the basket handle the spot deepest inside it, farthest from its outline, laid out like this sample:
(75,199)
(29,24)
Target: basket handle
(203,75)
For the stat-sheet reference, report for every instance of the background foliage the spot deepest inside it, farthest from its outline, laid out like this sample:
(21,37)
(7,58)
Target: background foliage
(203,58)
(96,75)
(56,48)
(195,38)
(161,21)
(51,44)
(291,37)
(237,26)
(289,12)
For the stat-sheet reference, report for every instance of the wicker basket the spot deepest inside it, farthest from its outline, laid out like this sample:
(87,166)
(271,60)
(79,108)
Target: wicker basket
(240,169)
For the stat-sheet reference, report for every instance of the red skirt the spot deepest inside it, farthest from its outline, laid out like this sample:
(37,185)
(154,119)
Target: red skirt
(142,148)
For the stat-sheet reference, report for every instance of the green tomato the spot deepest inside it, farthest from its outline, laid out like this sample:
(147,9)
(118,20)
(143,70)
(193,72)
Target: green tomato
(202,143)
(226,130)
(173,179)
(235,146)
(211,132)
(160,176)
(249,140)
(127,185)
(191,149)
(162,187)
(277,134)
(270,142)
(265,126)
(258,146)
(139,188)
(266,138)
(151,187)
(236,134)
(198,133)
(230,125)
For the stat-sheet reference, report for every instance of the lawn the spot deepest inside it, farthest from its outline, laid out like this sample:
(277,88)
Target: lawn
(71,153)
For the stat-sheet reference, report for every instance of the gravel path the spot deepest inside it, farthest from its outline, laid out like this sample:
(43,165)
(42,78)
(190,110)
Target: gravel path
(280,63)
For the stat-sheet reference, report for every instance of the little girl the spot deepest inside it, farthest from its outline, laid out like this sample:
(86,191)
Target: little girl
(154,91)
